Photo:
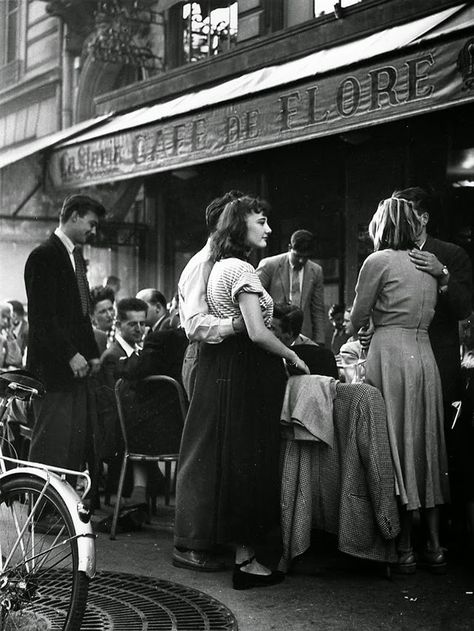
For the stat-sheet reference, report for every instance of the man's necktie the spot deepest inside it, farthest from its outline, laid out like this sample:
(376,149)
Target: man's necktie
(82,283)
(295,287)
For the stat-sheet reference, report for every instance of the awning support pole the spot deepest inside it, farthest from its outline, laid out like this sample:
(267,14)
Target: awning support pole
(27,199)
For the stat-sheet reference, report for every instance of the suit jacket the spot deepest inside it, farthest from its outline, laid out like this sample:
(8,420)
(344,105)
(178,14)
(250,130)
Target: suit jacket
(320,361)
(274,273)
(58,328)
(101,338)
(452,306)
(163,354)
(348,490)
(152,413)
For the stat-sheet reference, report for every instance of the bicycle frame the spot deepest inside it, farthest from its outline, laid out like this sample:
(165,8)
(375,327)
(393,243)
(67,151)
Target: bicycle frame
(51,476)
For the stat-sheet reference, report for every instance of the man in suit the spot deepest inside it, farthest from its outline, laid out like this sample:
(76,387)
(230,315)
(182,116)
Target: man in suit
(286,325)
(130,329)
(62,351)
(451,265)
(114,364)
(157,316)
(292,278)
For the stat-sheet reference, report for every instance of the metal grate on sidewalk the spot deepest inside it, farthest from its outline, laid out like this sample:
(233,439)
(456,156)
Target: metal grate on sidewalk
(125,602)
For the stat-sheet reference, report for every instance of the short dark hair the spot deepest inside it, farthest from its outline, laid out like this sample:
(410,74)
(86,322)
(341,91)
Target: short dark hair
(215,208)
(230,236)
(82,204)
(335,309)
(100,293)
(112,280)
(302,241)
(154,296)
(129,304)
(290,316)
(17,307)
(422,200)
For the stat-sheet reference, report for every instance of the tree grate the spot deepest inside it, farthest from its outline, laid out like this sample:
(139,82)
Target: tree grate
(126,602)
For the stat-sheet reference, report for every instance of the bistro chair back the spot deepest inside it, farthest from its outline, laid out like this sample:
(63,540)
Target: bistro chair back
(168,459)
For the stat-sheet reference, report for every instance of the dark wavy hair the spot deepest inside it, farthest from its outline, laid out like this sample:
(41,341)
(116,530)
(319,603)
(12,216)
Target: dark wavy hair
(230,236)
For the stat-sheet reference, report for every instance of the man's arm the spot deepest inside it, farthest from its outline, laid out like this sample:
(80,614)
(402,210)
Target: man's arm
(318,311)
(456,286)
(199,324)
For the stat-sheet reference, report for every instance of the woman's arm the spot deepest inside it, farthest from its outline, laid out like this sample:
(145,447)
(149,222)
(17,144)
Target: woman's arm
(369,283)
(259,334)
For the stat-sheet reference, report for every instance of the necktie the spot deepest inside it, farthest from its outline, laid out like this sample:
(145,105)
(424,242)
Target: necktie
(82,283)
(295,287)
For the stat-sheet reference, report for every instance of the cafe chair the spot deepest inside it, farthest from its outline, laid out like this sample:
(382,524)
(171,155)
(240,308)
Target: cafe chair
(168,459)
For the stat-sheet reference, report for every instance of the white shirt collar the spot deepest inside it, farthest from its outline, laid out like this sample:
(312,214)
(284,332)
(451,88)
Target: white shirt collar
(421,245)
(125,345)
(68,244)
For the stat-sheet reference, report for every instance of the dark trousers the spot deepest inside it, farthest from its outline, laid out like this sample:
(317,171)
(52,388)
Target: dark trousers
(60,432)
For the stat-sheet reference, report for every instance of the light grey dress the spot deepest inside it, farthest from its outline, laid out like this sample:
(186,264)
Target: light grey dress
(400,363)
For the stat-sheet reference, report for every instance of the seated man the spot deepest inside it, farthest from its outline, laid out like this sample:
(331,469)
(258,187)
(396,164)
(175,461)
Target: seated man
(130,329)
(287,323)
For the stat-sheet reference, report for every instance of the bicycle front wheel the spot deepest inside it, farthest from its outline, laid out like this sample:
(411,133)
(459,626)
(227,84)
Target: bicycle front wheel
(40,584)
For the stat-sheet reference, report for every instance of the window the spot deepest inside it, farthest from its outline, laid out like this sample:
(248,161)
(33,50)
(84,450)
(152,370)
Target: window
(209,28)
(10,52)
(323,7)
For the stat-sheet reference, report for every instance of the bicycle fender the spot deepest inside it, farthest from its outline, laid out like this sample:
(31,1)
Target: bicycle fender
(85,535)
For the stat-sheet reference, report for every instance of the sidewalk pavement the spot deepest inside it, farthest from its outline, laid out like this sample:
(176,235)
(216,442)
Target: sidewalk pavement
(327,590)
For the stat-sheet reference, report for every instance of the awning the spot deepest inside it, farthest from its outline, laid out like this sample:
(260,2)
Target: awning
(400,72)
(321,62)
(9,156)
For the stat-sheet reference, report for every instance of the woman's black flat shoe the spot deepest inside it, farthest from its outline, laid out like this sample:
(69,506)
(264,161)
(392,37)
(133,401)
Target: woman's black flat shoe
(246,580)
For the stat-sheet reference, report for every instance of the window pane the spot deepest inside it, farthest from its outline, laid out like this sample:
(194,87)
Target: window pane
(11,38)
(209,28)
(322,7)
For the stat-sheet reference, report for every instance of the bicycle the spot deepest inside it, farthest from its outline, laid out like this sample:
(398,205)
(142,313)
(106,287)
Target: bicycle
(47,546)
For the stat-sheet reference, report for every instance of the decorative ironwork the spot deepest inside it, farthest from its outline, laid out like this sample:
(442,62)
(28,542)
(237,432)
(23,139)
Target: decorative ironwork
(121,26)
(466,64)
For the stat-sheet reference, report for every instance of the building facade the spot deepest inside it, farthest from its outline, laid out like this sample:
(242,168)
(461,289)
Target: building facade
(321,108)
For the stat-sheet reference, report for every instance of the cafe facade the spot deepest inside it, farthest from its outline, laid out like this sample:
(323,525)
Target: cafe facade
(323,138)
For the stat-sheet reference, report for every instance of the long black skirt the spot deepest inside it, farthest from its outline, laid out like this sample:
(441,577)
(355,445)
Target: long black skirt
(228,482)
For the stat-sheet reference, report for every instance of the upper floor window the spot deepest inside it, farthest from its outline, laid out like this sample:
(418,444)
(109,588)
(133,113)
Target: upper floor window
(322,7)
(209,28)
(10,34)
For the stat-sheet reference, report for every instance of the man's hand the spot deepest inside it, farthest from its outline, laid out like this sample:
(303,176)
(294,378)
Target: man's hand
(365,335)
(79,365)
(94,365)
(238,324)
(426,262)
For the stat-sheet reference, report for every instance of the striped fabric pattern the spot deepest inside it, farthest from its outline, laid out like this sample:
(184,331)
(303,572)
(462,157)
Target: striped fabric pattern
(229,278)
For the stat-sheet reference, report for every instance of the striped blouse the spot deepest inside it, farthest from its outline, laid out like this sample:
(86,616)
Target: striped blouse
(229,278)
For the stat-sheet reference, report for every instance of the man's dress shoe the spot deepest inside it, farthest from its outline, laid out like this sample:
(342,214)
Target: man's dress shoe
(196,560)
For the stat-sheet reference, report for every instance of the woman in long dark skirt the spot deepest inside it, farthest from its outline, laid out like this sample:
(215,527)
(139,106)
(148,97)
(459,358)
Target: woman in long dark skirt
(228,482)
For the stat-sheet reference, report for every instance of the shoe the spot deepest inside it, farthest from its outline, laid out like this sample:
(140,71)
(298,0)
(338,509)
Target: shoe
(196,560)
(406,563)
(246,580)
(433,560)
